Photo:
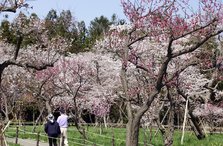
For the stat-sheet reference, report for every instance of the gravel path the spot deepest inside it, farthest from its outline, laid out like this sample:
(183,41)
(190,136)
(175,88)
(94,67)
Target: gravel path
(26,142)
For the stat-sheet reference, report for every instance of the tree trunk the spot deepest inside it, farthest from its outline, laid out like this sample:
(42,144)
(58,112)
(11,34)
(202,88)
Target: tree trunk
(168,137)
(168,132)
(193,122)
(37,120)
(6,109)
(133,125)
(132,132)
(196,127)
(48,107)
(80,129)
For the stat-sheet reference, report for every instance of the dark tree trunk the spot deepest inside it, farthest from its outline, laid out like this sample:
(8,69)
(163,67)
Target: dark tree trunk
(193,122)
(196,127)
(132,132)
(168,136)
(37,120)
(76,120)
(167,132)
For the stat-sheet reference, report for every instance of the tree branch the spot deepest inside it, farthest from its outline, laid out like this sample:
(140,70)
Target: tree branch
(196,46)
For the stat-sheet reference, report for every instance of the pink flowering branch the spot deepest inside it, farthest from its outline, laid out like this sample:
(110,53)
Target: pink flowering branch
(12,5)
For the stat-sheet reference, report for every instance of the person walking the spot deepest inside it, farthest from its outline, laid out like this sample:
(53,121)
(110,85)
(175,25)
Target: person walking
(63,123)
(52,129)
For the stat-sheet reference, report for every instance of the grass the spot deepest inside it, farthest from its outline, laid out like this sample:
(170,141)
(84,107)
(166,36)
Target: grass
(12,144)
(105,137)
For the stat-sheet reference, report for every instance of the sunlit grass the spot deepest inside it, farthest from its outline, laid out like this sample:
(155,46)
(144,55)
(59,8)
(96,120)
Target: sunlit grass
(12,144)
(105,136)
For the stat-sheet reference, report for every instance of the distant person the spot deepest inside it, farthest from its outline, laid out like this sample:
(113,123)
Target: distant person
(52,129)
(63,123)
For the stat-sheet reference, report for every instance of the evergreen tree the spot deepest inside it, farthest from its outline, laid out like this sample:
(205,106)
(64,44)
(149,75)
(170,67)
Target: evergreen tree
(98,27)
(6,32)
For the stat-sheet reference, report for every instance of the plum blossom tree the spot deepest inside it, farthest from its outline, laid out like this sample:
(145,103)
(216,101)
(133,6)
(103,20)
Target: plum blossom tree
(158,44)
(12,88)
(90,81)
(212,68)
(87,74)
(39,55)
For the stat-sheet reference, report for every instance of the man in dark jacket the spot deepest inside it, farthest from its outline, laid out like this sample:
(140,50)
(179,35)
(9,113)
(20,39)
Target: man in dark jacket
(52,129)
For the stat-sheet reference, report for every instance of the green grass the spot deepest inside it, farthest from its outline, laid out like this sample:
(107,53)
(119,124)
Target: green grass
(105,138)
(12,144)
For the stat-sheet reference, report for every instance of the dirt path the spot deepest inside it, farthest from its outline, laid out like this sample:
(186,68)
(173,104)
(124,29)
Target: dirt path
(26,142)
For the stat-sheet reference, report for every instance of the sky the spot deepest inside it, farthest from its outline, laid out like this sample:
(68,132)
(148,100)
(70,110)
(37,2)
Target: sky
(85,10)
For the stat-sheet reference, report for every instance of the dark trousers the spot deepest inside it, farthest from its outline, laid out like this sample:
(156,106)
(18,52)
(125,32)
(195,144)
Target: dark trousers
(52,141)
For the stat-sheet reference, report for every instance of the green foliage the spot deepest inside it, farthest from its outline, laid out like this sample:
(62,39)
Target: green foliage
(116,21)
(7,34)
(58,25)
(10,33)
(98,27)
(52,15)
(220,86)
(80,40)
(31,38)
(64,25)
